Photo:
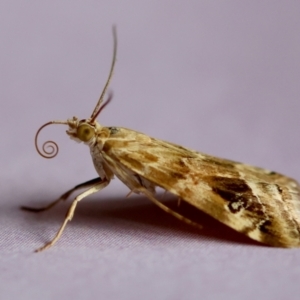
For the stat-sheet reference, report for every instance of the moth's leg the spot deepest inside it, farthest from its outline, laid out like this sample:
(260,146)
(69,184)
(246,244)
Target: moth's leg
(129,194)
(178,201)
(95,188)
(167,209)
(63,197)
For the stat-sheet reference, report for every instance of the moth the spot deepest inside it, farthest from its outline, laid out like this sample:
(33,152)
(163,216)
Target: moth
(259,203)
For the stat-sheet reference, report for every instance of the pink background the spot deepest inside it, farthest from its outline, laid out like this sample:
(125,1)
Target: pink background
(221,77)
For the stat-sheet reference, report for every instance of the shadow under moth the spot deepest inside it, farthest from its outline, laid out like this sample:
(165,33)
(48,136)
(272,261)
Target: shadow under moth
(261,204)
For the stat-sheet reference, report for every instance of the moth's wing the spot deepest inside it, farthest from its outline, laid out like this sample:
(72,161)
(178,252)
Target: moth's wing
(262,204)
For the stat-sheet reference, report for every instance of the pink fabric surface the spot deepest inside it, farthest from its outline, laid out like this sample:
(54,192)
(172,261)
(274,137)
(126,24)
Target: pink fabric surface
(221,77)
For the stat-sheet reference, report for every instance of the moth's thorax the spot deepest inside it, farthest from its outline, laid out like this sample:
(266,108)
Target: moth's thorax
(96,148)
(93,135)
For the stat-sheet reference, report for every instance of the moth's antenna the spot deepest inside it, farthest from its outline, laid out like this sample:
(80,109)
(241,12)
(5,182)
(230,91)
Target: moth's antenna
(48,144)
(110,95)
(96,110)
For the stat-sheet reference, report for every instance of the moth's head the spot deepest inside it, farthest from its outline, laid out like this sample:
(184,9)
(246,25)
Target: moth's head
(79,130)
(83,130)
(86,130)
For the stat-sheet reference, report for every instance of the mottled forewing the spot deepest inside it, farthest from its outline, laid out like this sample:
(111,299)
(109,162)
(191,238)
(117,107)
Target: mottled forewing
(259,203)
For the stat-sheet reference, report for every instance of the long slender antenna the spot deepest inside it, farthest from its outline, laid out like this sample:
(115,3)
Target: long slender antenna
(98,105)
(102,107)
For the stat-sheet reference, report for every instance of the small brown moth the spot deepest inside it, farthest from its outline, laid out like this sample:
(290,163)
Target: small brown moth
(261,204)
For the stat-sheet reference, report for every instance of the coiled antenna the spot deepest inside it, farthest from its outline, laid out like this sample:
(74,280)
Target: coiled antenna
(49,148)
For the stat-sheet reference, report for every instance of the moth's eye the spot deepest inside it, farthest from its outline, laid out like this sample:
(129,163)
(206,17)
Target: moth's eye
(85,132)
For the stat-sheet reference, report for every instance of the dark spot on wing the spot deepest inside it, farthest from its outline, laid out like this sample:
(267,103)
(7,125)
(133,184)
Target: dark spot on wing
(238,194)
(265,226)
(113,130)
(273,173)
(279,190)
(235,185)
